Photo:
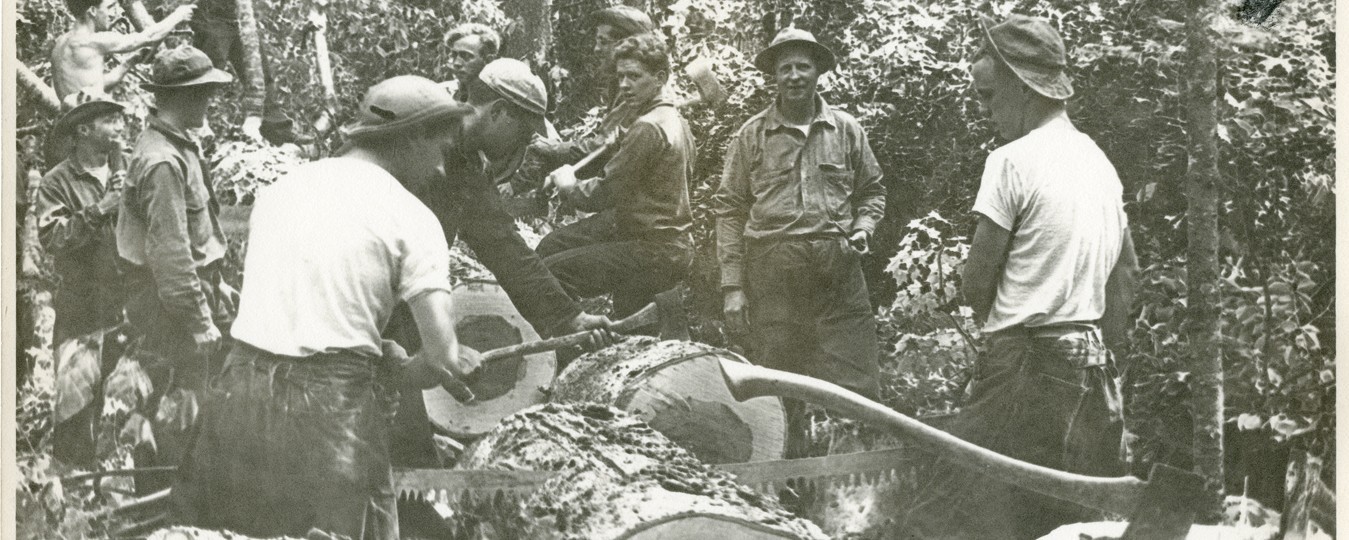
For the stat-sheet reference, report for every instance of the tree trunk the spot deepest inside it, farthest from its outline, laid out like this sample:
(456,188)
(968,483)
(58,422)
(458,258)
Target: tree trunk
(530,33)
(140,17)
(255,90)
(677,388)
(485,319)
(1202,332)
(621,480)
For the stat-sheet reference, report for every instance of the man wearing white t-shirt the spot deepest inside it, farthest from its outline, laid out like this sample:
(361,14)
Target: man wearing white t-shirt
(295,432)
(1052,271)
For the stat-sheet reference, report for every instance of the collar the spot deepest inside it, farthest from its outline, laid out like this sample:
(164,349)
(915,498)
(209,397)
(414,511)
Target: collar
(824,114)
(1059,121)
(661,99)
(174,134)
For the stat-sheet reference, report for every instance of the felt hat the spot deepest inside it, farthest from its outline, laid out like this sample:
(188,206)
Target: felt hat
(401,102)
(184,66)
(1034,52)
(790,37)
(79,108)
(630,20)
(512,80)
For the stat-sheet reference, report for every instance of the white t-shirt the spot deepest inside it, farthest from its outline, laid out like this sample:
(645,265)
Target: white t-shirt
(1061,198)
(333,246)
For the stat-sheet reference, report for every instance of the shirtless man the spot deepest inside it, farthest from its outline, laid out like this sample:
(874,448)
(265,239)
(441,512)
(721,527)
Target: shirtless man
(78,55)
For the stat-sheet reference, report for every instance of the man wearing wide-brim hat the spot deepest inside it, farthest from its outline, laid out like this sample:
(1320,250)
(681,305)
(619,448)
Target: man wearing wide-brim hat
(299,433)
(799,198)
(76,215)
(1051,274)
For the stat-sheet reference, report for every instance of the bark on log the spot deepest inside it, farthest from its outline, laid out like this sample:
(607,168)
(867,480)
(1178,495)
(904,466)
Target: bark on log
(486,319)
(622,480)
(677,388)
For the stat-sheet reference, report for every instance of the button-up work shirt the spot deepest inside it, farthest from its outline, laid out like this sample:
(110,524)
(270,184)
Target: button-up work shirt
(779,183)
(81,240)
(167,223)
(647,181)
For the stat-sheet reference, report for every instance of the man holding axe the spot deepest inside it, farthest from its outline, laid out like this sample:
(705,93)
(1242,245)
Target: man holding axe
(1052,271)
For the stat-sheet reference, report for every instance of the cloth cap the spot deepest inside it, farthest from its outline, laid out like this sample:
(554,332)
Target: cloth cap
(401,102)
(512,80)
(1034,52)
(79,108)
(630,20)
(787,38)
(184,66)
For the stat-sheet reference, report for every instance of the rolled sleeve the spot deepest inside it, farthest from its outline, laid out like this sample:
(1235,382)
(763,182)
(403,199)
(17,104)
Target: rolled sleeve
(168,248)
(731,205)
(995,198)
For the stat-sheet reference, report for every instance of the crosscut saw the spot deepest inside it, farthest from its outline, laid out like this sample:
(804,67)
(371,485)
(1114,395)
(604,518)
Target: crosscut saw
(860,468)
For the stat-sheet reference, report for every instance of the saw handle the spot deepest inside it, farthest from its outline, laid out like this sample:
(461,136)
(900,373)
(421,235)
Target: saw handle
(647,316)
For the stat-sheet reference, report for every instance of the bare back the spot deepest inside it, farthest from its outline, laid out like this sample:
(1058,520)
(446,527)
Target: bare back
(77,64)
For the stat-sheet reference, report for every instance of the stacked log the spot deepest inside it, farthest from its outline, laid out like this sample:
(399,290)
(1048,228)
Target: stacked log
(676,387)
(620,479)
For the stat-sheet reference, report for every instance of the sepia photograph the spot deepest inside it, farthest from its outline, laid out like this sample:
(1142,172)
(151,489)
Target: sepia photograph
(669,269)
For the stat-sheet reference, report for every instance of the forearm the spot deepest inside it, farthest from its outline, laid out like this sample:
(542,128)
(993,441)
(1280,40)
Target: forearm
(59,236)
(533,289)
(983,268)
(1120,289)
(731,251)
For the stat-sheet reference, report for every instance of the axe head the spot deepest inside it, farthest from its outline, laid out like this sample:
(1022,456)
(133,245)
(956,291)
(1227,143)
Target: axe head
(673,323)
(1168,505)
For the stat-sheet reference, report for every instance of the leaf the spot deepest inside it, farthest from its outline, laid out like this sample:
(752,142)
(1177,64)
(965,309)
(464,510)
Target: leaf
(1247,422)
(78,371)
(127,387)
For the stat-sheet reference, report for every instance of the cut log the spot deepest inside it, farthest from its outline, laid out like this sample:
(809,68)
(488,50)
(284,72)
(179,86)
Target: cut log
(485,319)
(677,388)
(621,479)
(46,96)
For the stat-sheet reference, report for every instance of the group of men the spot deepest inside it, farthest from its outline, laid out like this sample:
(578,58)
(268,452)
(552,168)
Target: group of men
(347,264)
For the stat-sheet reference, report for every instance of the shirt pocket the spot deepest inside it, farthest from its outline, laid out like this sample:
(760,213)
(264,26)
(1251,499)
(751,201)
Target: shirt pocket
(775,201)
(837,186)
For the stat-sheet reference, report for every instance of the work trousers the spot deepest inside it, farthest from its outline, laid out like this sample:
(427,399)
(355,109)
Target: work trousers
(291,444)
(589,258)
(810,313)
(1052,400)
(219,39)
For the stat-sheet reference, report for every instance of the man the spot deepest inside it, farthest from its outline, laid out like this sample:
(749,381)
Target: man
(216,32)
(612,25)
(170,243)
(638,243)
(799,198)
(77,214)
(507,103)
(1052,270)
(296,433)
(472,46)
(78,56)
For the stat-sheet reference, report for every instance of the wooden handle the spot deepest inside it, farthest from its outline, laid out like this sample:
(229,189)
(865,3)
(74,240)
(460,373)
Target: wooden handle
(648,315)
(1118,495)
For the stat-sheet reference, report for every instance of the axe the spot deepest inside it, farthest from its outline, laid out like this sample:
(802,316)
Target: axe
(667,309)
(1162,508)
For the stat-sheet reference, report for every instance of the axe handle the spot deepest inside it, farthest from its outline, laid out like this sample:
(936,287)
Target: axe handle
(1118,495)
(647,316)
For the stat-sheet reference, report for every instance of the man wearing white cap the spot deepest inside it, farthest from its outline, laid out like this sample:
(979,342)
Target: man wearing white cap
(296,430)
(1052,272)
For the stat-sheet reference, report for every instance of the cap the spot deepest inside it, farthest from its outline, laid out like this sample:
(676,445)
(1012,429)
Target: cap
(628,19)
(1033,50)
(512,80)
(184,66)
(401,102)
(794,36)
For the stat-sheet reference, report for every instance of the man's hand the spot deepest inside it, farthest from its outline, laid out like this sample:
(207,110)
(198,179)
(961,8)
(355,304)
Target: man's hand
(107,206)
(598,325)
(735,307)
(207,341)
(860,242)
(551,149)
(183,13)
(391,351)
(563,177)
(253,128)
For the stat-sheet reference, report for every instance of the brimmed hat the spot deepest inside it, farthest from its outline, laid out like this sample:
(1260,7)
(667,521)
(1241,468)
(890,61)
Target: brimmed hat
(787,38)
(182,67)
(630,20)
(399,103)
(1034,52)
(512,80)
(79,108)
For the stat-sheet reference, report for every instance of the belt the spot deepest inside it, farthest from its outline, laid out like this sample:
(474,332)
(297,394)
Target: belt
(1054,331)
